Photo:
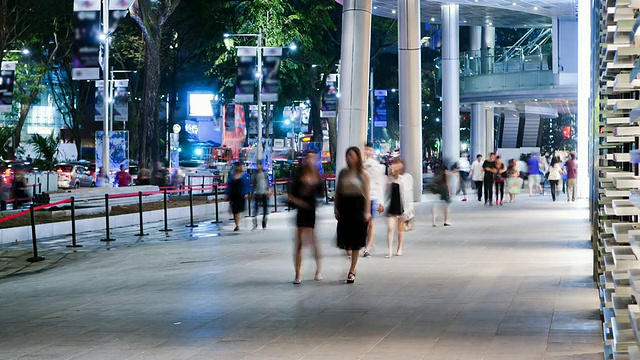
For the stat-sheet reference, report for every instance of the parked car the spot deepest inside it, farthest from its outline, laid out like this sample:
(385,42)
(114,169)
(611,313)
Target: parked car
(74,176)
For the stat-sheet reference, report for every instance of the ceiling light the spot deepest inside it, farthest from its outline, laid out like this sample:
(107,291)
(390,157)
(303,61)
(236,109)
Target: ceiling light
(490,24)
(510,101)
(393,11)
(514,4)
(465,21)
(535,8)
(433,19)
(375,8)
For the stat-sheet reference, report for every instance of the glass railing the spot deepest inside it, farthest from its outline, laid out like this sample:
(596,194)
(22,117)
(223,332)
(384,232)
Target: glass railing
(474,63)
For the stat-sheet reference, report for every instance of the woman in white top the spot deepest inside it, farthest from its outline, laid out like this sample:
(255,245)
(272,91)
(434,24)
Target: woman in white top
(399,206)
(555,175)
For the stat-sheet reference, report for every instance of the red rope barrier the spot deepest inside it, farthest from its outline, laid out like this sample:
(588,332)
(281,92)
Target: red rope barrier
(16,215)
(24,212)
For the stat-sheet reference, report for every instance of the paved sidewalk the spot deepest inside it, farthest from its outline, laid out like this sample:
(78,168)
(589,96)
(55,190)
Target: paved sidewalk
(511,282)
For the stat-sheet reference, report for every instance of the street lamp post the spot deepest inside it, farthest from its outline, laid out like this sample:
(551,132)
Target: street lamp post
(105,125)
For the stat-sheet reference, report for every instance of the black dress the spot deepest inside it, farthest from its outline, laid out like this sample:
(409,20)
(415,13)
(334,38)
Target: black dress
(236,196)
(395,203)
(307,193)
(352,227)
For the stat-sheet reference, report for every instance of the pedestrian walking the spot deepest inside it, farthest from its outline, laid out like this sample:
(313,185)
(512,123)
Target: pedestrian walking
(305,190)
(102,180)
(160,174)
(572,177)
(352,208)
(514,182)
(490,170)
(555,175)
(477,175)
(464,168)
(122,177)
(399,209)
(237,192)
(377,180)
(261,195)
(442,190)
(500,179)
(535,176)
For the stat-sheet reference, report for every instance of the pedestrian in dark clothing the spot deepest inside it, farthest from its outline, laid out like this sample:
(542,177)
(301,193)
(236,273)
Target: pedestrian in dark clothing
(490,169)
(261,194)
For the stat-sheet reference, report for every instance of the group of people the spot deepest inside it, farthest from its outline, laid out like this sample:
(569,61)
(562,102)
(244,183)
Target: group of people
(492,174)
(540,171)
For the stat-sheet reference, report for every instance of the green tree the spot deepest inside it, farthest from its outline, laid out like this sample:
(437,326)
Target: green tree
(47,149)
(6,134)
(152,17)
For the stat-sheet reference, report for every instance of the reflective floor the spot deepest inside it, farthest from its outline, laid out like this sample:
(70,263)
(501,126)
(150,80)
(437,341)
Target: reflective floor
(510,282)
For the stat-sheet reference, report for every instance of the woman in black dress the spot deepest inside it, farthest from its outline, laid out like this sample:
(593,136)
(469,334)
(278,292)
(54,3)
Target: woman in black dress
(352,208)
(237,192)
(396,204)
(307,187)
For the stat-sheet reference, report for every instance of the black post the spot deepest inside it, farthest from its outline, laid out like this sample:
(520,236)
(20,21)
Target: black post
(202,192)
(35,257)
(166,221)
(106,218)
(326,191)
(217,221)
(39,188)
(141,233)
(74,244)
(288,191)
(191,225)
(249,201)
(275,196)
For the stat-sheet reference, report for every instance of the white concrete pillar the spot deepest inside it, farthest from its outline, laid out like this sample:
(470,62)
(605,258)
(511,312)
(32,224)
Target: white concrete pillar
(409,81)
(354,77)
(554,45)
(475,46)
(478,130)
(489,121)
(488,48)
(450,83)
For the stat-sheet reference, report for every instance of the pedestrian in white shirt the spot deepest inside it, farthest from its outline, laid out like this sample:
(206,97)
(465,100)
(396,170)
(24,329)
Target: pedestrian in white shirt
(377,185)
(464,168)
(477,175)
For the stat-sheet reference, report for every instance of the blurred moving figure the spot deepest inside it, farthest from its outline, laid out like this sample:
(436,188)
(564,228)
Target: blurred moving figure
(307,187)
(514,182)
(376,172)
(261,193)
(477,175)
(237,192)
(352,208)
(399,205)
(500,179)
(441,187)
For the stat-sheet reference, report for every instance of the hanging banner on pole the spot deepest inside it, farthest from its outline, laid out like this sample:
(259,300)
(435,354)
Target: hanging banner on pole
(380,108)
(271,73)
(99,101)
(121,100)
(118,10)
(7,75)
(245,79)
(86,41)
(330,98)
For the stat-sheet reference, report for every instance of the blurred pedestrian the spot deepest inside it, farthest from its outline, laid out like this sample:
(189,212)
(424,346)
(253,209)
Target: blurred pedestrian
(500,179)
(261,194)
(490,170)
(555,175)
(442,189)
(514,182)
(572,177)
(122,177)
(305,190)
(464,168)
(160,174)
(398,205)
(477,175)
(352,208)
(102,179)
(377,178)
(237,192)
(19,189)
(535,176)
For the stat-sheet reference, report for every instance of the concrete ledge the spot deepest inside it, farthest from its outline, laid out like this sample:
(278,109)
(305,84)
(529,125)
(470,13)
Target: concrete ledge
(97,224)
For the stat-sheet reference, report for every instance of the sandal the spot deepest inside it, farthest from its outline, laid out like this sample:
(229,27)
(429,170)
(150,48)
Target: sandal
(351,278)
(297,281)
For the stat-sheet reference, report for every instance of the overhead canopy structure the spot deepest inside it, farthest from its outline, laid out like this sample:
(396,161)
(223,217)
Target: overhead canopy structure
(498,13)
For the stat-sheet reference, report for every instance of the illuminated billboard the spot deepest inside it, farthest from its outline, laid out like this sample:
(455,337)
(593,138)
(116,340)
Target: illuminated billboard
(200,104)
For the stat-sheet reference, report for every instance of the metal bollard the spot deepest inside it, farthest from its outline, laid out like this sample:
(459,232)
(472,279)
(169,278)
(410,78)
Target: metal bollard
(191,225)
(74,244)
(106,210)
(217,221)
(166,221)
(141,233)
(326,191)
(275,196)
(249,198)
(288,192)
(35,257)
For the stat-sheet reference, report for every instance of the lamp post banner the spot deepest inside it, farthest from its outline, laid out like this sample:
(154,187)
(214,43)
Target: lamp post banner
(7,74)
(245,79)
(330,97)
(120,100)
(99,101)
(271,73)
(86,41)
(380,108)
(118,149)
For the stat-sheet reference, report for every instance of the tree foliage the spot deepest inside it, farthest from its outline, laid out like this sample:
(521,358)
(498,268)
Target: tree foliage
(46,148)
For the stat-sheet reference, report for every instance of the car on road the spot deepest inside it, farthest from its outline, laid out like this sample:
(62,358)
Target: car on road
(74,176)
